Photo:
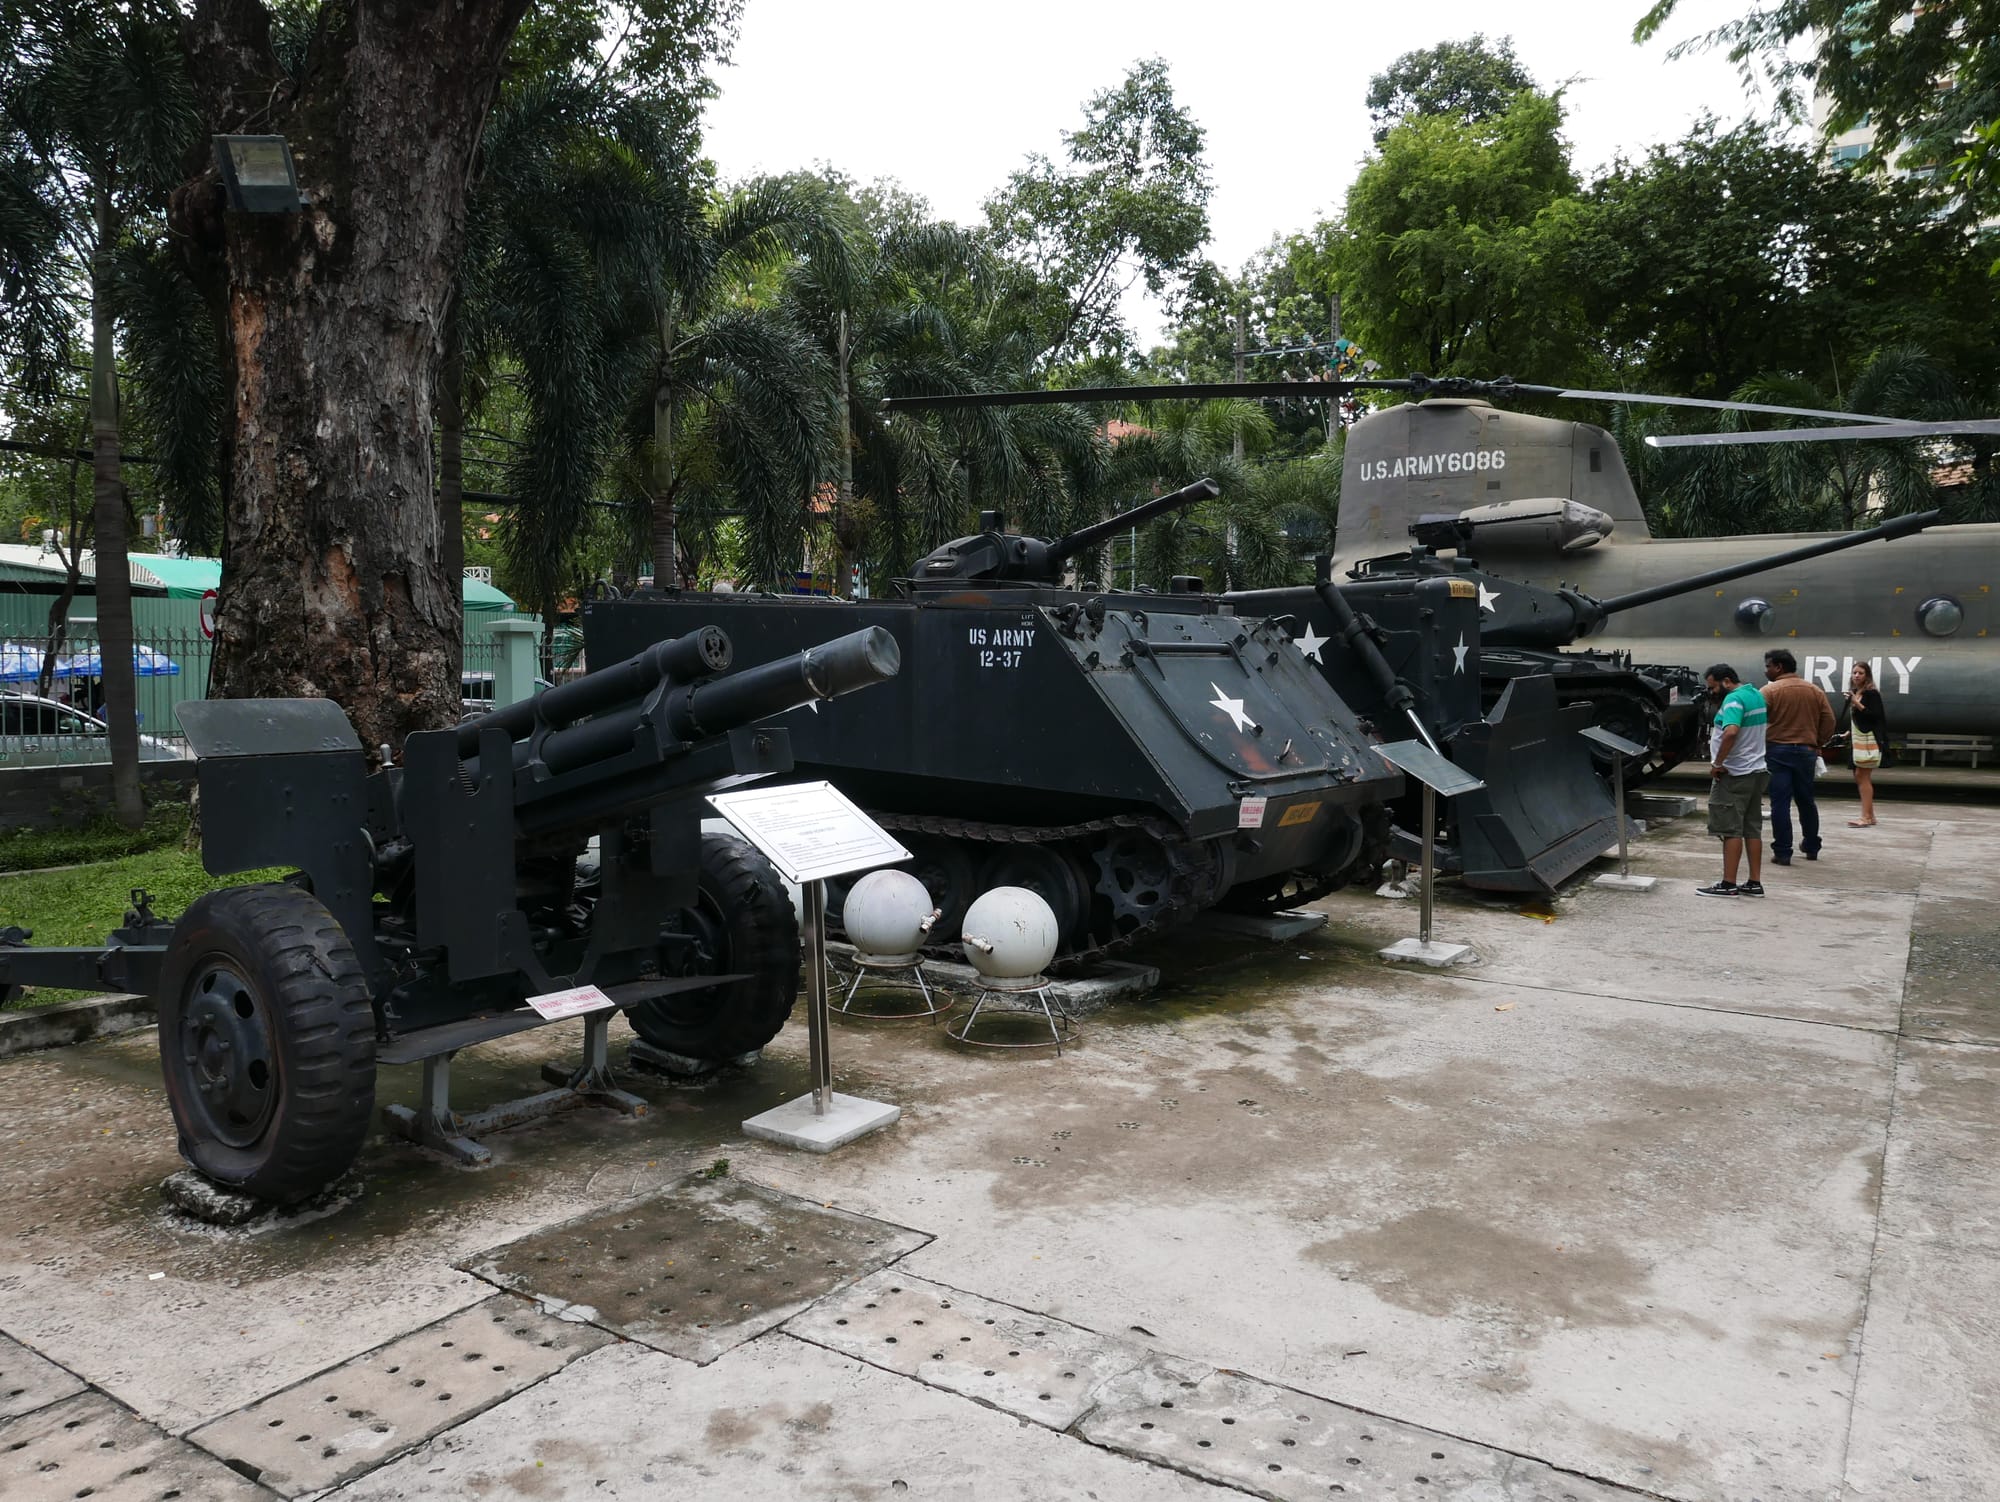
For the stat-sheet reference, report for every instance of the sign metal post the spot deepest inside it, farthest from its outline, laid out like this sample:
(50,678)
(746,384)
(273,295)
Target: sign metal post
(1620,748)
(811,831)
(1438,776)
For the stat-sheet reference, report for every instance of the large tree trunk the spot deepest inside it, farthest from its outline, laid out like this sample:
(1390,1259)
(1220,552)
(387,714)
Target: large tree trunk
(114,577)
(451,450)
(337,571)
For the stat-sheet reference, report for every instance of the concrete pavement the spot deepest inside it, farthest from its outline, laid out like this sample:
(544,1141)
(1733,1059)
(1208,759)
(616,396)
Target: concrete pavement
(1666,1196)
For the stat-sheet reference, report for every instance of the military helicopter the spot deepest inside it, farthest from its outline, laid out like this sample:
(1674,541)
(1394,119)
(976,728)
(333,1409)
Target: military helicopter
(1549,510)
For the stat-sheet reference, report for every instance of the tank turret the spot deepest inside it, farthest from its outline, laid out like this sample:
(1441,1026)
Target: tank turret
(995,555)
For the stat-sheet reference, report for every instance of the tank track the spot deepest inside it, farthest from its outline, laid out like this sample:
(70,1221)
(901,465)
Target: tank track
(1193,882)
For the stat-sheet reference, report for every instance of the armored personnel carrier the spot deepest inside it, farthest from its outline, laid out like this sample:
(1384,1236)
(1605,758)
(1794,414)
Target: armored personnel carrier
(1133,757)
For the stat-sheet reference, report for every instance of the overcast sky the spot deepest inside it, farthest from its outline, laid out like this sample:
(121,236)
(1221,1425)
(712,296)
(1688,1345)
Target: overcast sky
(949,98)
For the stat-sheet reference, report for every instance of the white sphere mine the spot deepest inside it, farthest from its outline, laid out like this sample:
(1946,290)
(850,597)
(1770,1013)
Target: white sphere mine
(884,915)
(1009,933)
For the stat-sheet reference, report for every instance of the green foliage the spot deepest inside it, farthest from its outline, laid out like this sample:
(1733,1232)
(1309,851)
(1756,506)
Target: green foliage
(1445,256)
(1730,253)
(104,838)
(1466,81)
(1130,204)
(1926,77)
(1805,487)
(83,904)
(1246,537)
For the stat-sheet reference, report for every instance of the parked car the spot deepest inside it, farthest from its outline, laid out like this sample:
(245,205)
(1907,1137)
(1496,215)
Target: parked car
(476,692)
(38,732)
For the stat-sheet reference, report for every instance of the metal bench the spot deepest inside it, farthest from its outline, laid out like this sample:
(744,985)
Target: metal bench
(1974,746)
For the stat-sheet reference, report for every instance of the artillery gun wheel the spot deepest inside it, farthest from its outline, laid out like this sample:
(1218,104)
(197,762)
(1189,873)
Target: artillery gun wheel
(267,1041)
(742,921)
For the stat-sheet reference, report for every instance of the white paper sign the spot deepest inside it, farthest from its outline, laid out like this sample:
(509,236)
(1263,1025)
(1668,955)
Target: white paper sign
(571,1003)
(810,830)
(1250,813)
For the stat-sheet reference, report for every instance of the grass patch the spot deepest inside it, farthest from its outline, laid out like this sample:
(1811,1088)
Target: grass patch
(103,839)
(82,905)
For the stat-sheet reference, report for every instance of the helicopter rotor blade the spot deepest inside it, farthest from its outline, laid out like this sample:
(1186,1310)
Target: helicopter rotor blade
(1981,427)
(1197,391)
(1642,399)
(1420,386)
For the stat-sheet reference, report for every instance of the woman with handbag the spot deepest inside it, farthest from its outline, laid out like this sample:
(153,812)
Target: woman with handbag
(1868,720)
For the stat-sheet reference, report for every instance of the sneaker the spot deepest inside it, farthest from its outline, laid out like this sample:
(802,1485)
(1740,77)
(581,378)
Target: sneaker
(1721,889)
(1751,889)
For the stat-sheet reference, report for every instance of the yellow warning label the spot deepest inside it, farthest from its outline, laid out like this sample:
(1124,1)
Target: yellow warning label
(1299,813)
(1462,589)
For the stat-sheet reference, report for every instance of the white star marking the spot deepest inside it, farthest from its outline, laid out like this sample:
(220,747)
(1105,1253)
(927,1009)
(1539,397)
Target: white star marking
(1489,599)
(1231,707)
(1310,643)
(1458,654)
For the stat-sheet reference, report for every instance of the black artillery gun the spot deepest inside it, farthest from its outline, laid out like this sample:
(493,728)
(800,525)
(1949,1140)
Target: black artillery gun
(430,900)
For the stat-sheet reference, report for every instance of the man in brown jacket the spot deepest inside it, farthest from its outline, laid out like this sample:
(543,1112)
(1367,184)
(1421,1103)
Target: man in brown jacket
(1801,721)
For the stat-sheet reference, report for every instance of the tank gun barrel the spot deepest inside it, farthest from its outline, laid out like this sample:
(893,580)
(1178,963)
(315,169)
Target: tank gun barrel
(1089,537)
(1900,526)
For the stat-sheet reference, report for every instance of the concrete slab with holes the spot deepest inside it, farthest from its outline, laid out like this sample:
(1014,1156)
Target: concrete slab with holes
(697,1270)
(351,1418)
(88,1446)
(1042,1369)
(29,1381)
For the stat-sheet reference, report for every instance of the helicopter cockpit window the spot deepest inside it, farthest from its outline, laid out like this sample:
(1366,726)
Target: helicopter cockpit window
(1756,616)
(1941,616)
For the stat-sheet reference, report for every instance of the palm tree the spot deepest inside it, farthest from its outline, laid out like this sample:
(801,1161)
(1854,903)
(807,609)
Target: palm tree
(738,377)
(1240,539)
(99,112)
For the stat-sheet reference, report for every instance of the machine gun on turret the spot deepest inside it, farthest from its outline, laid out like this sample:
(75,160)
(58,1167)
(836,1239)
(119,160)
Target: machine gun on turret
(431,900)
(995,555)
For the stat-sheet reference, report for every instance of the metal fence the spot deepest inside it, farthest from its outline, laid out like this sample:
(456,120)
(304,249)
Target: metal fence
(65,726)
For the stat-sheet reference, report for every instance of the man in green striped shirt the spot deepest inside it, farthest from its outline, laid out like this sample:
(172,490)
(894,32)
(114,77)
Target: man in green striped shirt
(1736,796)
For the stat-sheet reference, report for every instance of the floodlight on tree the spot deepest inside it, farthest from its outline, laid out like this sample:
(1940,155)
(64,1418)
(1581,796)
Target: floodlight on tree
(258,175)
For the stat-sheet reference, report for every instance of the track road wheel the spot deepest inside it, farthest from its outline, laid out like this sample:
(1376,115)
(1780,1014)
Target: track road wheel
(267,1042)
(742,921)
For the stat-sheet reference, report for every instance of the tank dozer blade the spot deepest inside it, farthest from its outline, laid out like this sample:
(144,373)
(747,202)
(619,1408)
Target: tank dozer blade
(1544,813)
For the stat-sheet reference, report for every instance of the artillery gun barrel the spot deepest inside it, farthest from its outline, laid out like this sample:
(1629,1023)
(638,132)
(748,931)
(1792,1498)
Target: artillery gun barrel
(1089,537)
(670,721)
(824,672)
(1900,526)
(679,660)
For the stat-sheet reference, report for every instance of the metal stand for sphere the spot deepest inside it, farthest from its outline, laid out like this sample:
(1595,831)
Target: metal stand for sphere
(1062,1024)
(912,969)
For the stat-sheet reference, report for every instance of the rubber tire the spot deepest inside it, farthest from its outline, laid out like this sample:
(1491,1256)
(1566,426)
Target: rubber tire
(299,965)
(717,1025)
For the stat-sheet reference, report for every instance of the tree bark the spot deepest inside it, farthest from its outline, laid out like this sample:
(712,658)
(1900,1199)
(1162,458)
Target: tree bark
(114,578)
(451,457)
(337,573)
(666,557)
(843,588)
